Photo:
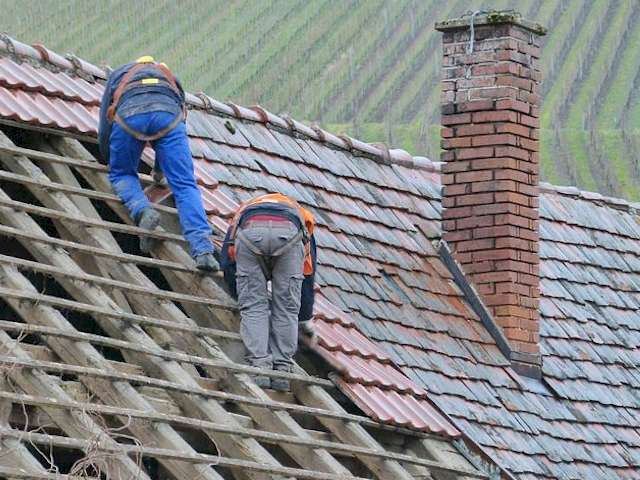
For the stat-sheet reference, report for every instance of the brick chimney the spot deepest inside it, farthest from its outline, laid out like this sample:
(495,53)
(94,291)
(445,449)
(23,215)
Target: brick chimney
(490,131)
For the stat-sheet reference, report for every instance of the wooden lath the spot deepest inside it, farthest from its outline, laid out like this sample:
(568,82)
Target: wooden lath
(155,348)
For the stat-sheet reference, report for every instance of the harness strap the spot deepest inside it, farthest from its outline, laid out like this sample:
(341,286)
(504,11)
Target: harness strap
(149,138)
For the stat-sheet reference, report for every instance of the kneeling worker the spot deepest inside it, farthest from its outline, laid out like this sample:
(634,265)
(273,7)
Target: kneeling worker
(144,103)
(271,238)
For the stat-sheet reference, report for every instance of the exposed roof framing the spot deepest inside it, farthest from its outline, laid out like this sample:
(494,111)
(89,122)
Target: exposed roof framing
(76,284)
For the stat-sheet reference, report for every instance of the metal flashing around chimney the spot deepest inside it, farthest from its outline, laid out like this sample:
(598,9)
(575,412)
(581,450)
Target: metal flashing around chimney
(525,364)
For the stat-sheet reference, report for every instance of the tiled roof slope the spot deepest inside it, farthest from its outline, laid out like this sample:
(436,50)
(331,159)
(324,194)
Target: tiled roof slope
(358,219)
(377,220)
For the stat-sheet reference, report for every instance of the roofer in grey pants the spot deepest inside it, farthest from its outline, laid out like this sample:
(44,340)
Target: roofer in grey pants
(269,241)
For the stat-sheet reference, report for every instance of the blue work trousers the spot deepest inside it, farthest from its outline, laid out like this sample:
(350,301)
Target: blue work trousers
(174,159)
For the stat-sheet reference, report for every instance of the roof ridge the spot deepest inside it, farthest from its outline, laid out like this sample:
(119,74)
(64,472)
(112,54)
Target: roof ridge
(255,113)
(593,197)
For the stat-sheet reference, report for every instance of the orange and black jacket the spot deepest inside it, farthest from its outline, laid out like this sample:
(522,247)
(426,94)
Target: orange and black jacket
(279,205)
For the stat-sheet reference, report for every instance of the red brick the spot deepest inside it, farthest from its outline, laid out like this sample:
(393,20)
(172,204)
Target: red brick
(448,225)
(512,287)
(473,199)
(448,202)
(486,289)
(456,189)
(478,267)
(471,245)
(526,347)
(499,139)
(475,129)
(494,92)
(516,220)
(447,132)
(452,72)
(476,105)
(463,258)
(529,167)
(527,144)
(456,119)
(511,55)
(477,57)
(457,235)
(506,68)
(513,266)
(514,128)
(448,156)
(529,49)
(495,163)
(529,121)
(475,82)
(455,166)
(529,257)
(495,231)
(456,212)
(494,186)
(458,142)
(529,190)
(460,98)
(515,175)
(512,197)
(475,221)
(501,299)
(515,243)
(447,178)
(474,176)
(495,277)
(494,116)
(494,208)
(514,310)
(532,99)
(527,279)
(516,82)
(511,104)
(517,334)
(533,303)
(504,254)
(481,70)
(513,152)
(474,152)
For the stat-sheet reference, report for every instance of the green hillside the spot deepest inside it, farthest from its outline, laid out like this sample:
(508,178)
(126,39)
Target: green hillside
(370,68)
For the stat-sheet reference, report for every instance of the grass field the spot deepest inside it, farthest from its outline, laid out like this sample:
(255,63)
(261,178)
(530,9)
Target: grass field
(370,68)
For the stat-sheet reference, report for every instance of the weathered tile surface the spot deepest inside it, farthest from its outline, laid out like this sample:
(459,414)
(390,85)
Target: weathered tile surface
(389,317)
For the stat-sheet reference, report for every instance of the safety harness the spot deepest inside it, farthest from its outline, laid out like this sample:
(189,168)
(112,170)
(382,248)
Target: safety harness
(164,78)
(304,217)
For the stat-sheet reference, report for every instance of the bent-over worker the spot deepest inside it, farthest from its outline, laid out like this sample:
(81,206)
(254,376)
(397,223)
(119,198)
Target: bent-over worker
(271,238)
(144,103)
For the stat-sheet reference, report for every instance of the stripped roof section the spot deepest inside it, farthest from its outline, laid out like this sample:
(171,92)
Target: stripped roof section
(357,214)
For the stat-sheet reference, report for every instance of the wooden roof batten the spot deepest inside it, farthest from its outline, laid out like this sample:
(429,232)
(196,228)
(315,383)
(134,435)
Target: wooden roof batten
(144,323)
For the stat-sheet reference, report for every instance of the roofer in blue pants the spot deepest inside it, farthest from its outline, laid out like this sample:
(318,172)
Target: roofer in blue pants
(144,103)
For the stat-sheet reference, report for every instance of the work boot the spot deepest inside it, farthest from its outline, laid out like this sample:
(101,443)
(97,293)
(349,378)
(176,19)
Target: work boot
(207,262)
(281,384)
(149,219)
(261,380)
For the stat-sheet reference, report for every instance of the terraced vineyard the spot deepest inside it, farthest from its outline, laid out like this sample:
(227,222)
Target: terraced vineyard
(370,68)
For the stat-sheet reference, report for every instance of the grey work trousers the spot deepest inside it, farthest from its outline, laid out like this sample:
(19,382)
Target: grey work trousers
(270,336)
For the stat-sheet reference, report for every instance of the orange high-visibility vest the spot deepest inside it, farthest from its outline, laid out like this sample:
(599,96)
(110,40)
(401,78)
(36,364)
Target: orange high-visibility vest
(306,220)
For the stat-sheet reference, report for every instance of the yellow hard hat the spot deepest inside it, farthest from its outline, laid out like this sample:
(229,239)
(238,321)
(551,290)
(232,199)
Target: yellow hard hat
(145,59)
